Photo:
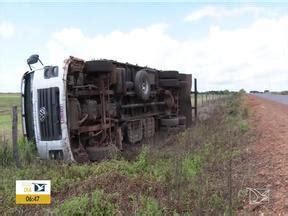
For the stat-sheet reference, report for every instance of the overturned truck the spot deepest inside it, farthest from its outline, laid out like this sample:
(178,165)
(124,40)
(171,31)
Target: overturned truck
(85,109)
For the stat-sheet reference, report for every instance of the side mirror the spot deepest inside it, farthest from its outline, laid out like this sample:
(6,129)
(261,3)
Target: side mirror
(33,59)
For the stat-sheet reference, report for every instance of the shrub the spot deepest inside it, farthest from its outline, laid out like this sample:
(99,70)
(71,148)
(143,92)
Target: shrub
(100,206)
(191,166)
(88,204)
(243,126)
(149,206)
(6,157)
(141,163)
(27,151)
(73,206)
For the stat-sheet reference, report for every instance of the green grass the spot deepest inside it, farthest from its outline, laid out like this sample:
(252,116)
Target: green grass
(5,120)
(96,203)
(186,177)
(7,100)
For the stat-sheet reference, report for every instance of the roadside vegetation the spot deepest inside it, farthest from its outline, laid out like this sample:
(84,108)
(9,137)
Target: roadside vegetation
(7,100)
(197,172)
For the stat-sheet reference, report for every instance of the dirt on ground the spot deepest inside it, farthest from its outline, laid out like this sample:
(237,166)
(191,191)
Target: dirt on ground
(268,155)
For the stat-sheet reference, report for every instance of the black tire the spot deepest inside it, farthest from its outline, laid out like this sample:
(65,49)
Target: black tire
(170,122)
(168,74)
(169,83)
(142,85)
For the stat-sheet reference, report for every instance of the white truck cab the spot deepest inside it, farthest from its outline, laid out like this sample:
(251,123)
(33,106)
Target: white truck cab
(44,116)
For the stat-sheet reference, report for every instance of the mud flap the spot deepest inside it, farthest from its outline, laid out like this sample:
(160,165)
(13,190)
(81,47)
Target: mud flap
(185,99)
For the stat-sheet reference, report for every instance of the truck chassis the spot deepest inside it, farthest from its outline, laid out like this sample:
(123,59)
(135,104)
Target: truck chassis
(109,103)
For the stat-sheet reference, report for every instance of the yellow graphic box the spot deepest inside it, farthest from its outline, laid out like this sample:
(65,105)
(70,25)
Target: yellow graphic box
(33,191)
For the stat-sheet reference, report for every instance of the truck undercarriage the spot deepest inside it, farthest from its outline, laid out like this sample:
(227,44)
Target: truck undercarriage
(110,103)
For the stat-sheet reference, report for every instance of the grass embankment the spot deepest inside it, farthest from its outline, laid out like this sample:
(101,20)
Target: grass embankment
(7,100)
(194,174)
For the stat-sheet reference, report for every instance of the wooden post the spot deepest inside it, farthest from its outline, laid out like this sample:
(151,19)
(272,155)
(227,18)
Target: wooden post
(15,136)
(195,98)
(202,95)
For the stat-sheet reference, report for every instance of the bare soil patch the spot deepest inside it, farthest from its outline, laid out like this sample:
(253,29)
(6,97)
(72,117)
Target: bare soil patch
(268,155)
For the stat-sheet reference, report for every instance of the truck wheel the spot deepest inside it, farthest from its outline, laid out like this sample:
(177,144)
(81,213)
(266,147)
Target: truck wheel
(169,82)
(142,85)
(169,74)
(170,122)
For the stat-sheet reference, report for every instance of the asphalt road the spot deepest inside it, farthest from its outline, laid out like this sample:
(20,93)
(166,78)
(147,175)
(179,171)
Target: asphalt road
(273,97)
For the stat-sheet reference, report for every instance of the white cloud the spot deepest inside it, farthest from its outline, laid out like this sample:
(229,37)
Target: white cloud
(11,77)
(6,29)
(142,45)
(220,12)
(254,57)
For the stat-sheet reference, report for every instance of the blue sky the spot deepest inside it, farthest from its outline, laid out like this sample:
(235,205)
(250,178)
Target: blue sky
(209,40)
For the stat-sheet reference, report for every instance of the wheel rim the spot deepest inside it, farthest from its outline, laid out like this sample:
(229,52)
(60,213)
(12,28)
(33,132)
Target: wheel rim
(145,87)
